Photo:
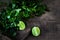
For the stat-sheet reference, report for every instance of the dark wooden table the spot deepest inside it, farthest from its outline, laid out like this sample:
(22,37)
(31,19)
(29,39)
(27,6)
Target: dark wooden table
(49,23)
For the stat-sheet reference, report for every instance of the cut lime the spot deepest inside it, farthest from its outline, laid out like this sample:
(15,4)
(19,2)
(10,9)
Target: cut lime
(21,25)
(35,31)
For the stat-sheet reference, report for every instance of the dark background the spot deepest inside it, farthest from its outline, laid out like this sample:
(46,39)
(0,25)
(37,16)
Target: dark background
(49,23)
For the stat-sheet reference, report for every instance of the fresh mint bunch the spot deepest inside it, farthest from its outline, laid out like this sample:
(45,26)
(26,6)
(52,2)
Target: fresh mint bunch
(19,10)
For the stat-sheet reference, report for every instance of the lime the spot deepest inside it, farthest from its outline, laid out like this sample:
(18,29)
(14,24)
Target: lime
(35,31)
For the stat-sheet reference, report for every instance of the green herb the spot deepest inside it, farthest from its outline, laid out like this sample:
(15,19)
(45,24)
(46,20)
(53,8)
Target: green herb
(19,10)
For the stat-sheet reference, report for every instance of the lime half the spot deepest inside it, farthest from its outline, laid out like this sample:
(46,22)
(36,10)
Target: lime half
(35,31)
(21,25)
